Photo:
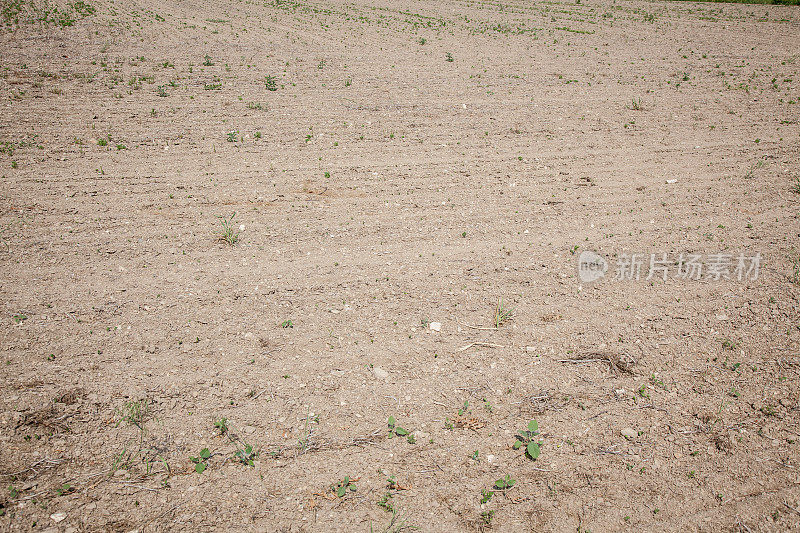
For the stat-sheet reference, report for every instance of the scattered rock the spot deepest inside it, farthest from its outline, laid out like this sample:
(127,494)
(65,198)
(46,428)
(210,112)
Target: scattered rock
(629,433)
(380,373)
(58,517)
(436,326)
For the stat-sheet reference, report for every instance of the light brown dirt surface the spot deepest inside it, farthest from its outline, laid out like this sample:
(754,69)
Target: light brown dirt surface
(418,164)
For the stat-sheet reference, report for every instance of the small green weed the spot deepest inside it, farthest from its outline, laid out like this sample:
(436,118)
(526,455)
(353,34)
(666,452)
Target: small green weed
(228,235)
(505,482)
(526,438)
(201,462)
(344,486)
(395,430)
(135,413)
(502,314)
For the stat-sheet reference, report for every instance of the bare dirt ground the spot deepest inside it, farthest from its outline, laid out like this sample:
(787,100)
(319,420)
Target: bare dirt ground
(417,163)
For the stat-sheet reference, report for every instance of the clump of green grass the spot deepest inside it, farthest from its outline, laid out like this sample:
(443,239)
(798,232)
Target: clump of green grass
(502,314)
(751,171)
(397,524)
(229,235)
(271,83)
(136,413)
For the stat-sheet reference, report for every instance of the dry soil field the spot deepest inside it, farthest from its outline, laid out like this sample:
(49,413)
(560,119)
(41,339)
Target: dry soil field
(407,186)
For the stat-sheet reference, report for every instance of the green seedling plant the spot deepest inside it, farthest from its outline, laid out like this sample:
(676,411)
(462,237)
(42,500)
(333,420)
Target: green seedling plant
(229,235)
(65,489)
(343,487)
(271,83)
(526,438)
(462,411)
(751,171)
(201,462)
(222,425)
(304,442)
(502,314)
(386,502)
(392,484)
(505,482)
(397,524)
(134,413)
(395,430)
(245,454)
